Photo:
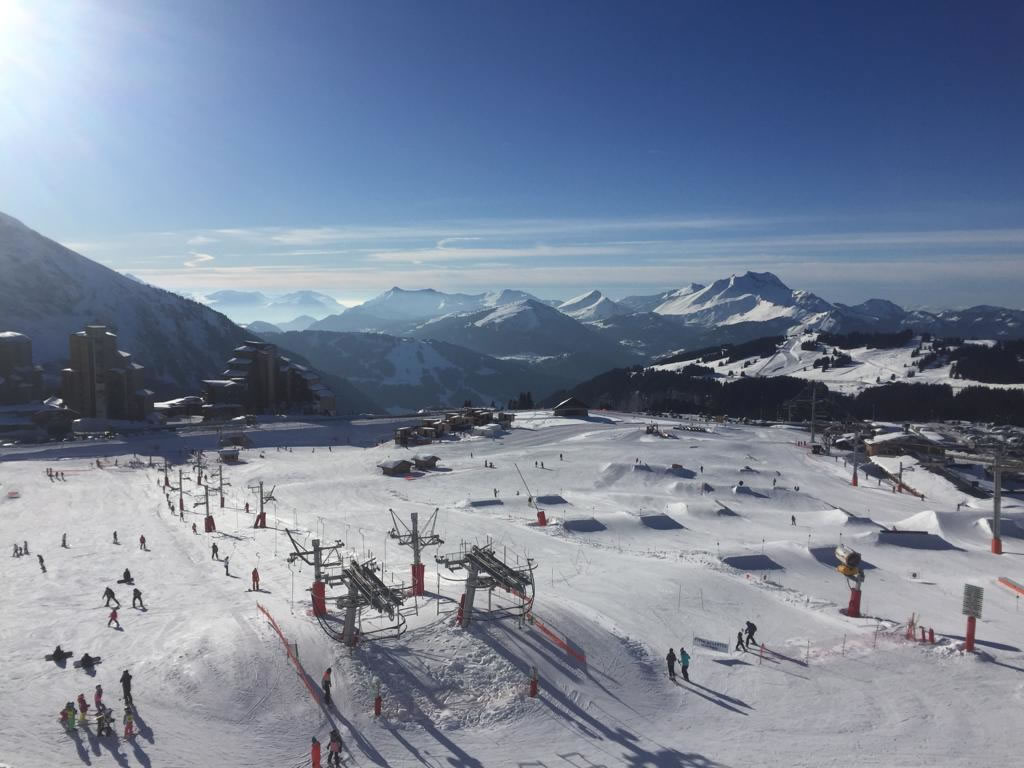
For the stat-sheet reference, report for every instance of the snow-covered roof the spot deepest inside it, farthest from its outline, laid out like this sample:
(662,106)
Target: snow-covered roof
(571,402)
(220,383)
(13,337)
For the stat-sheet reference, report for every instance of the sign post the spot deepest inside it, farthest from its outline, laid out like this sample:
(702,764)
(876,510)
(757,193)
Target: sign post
(973,598)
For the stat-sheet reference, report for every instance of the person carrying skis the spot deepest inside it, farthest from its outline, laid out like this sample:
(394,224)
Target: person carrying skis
(126,687)
(325,682)
(751,629)
(108,595)
(684,663)
(739,641)
(137,597)
(255,580)
(112,619)
(334,749)
(213,551)
(129,724)
(83,707)
(670,658)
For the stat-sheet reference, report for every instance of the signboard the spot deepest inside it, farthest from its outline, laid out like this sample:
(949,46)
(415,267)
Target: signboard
(973,598)
(711,645)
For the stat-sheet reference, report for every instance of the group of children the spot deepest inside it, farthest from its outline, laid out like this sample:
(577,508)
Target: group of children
(70,717)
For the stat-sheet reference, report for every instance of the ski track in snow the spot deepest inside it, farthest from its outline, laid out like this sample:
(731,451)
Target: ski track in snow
(213,685)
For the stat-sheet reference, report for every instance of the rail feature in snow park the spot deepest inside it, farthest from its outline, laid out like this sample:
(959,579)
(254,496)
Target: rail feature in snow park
(364,589)
(485,570)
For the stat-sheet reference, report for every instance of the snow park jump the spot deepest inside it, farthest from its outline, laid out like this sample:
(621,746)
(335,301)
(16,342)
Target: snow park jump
(564,655)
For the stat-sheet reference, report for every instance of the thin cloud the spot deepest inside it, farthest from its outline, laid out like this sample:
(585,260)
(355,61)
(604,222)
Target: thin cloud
(198,259)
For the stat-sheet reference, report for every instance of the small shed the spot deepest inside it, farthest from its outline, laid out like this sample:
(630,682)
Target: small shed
(228,455)
(572,408)
(395,467)
(425,461)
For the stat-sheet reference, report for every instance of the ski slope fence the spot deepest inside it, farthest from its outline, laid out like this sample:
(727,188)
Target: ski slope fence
(291,655)
(1011,584)
(576,653)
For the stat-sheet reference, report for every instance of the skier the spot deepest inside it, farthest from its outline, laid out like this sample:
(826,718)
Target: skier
(68,716)
(334,748)
(129,724)
(108,595)
(83,707)
(684,663)
(255,580)
(739,641)
(325,682)
(495,493)
(213,551)
(64,717)
(115,538)
(42,565)
(137,597)
(142,542)
(126,687)
(792,519)
(702,469)
(24,549)
(751,629)
(113,618)
(314,754)
(560,457)
(226,567)
(17,550)
(104,721)
(97,698)
(64,540)
(194,529)
(670,658)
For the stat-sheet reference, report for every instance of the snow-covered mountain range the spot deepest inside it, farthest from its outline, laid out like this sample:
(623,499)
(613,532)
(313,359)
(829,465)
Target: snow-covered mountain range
(251,306)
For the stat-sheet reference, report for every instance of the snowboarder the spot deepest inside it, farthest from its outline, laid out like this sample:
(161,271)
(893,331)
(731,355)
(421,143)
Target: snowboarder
(334,749)
(59,654)
(113,618)
(42,565)
(126,687)
(325,682)
(126,577)
(314,754)
(83,707)
(213,551)
(115,538)
(129,724)
(739,641)
(255,580)
(88,661)
(226,567)
(97,698)
(108,595)
(137,597)
(670,658)
(64,540)
(684,663)
(751,629)
(142,542)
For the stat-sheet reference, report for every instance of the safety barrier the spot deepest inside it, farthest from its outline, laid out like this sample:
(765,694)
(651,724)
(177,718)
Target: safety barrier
(1011,584)
(291,655)
(561,643)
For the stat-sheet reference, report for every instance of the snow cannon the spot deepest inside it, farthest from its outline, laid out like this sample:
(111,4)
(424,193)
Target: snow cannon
(849,566)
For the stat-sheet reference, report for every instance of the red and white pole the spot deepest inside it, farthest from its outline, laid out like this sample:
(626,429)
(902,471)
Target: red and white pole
(969,645)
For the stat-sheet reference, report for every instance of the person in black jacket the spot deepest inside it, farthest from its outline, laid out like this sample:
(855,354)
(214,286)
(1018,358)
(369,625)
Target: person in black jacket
(670,658)
(126,688)
(108,595)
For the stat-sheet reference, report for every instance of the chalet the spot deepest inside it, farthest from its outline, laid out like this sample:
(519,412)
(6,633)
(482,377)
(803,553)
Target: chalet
(572,408)
(395,467)
(425,461)
(903,444)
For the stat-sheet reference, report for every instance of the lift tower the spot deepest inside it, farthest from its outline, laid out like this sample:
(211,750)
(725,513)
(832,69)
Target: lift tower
(995,457)
(410,536)
(484,570)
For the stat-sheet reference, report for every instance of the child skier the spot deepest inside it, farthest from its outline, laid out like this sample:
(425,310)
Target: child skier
(739,641)
(326,683)
(97,698)
(83,707)
(334,749)
(113,618)
(129,724)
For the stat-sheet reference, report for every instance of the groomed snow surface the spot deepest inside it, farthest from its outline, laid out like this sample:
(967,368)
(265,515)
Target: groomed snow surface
(642,555)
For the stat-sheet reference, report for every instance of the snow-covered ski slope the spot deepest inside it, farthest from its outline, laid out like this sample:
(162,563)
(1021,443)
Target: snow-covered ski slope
(870,367)
(664,562)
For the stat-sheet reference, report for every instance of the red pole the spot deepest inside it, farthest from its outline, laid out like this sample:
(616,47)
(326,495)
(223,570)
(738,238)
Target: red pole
(542,519)
(376,705)
(931,635)
(997,546)
(969,646)
(853,609)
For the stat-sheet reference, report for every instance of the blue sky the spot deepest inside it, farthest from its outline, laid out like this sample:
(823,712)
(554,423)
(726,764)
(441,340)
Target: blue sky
(868,149)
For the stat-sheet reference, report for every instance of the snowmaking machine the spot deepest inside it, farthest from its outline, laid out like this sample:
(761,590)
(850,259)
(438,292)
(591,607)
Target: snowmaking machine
(850,567)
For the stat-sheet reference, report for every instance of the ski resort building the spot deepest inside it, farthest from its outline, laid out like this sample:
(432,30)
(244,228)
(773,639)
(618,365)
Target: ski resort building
(572,408)
(103,382)
(259,380)
(903,444)
(20,381)
(395,467)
